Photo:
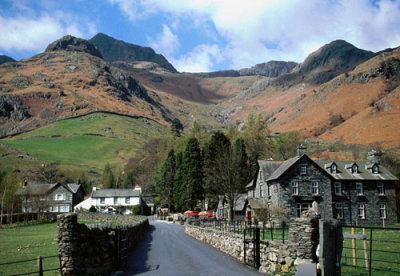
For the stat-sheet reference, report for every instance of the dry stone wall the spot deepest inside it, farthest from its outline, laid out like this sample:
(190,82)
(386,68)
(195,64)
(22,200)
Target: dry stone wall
(275,256)
(97,249)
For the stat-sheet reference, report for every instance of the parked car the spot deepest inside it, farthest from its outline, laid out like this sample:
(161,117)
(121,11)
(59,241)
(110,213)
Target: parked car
(191,213)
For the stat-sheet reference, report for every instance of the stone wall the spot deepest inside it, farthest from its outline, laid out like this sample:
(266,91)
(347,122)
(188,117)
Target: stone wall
(97,249)
(275,256)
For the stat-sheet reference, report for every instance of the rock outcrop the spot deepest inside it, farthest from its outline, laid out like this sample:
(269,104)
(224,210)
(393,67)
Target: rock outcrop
(71,43)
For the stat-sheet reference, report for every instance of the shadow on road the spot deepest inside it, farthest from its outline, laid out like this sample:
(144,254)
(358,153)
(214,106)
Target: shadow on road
(138,259)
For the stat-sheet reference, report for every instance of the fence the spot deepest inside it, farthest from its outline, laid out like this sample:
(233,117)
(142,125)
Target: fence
(271,232)
(370,250)
(40,270)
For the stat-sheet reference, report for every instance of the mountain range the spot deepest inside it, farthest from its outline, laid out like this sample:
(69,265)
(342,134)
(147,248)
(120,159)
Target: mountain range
(338,93)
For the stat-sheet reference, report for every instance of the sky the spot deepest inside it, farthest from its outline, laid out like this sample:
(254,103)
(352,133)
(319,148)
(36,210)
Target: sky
(204,35)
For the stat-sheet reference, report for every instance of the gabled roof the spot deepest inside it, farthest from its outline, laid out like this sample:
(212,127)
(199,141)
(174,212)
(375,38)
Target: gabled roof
(268,167)
(43,189)
(115,193)
(364,171)
(284,167)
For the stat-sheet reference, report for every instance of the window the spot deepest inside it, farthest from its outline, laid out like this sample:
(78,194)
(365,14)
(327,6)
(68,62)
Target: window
(339,210)
(361,211)
(338,188)
(64,208)
(59,197)
(127,200)
(54,209)
(303,169)
(354,169)
(382,211)
(381,188)
(115,200)
(359,188)
(375,169)
(102,200)
(295,187)
(275,188)
(301,207)
(42,197)
(333,168)
(315,187)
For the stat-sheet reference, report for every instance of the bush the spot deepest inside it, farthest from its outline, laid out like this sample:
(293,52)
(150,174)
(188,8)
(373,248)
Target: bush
(92,209)
(136,210)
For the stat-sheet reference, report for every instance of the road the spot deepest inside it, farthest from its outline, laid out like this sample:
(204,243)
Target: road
(167,250)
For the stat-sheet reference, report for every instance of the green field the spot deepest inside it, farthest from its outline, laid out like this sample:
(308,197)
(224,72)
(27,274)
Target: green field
(87,142)
(27,242)
(385,253)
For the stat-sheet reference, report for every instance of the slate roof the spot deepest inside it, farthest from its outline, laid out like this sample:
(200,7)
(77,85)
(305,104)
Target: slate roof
(364,170)
(115,193)
(149,200)
(283,168)
(42,189)
(268,167)
(257,203)
(239,204)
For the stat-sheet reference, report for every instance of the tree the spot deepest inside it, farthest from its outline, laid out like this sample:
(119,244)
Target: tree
(255,135)
(227,172)
(8,188)
(166,183)
(176,127)
(287,144)
(108,178)
(178,184)
(192,174)
(48,173)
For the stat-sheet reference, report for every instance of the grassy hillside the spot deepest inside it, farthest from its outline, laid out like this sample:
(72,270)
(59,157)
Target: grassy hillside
(88,142)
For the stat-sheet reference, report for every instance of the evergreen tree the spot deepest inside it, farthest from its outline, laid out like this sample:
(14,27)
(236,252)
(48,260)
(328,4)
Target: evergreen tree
(192,174)
(178,184)
(166,183)
(176,127)
(108,178)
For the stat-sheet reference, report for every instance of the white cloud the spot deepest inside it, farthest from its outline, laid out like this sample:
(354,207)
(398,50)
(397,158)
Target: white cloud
(201,59)
(22,33)
(293,27)
(166,42)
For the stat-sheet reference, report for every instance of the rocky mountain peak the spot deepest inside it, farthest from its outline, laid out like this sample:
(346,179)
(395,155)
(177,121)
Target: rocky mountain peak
(4,59)
(71,43)
(270,69)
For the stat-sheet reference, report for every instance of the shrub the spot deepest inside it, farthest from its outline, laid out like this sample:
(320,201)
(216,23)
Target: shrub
(136,210)
(92,209)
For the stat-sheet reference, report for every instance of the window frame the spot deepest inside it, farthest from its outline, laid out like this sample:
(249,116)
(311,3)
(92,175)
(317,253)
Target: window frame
(102,200)
(354,169)
(381,188)
(303,169)
(115,200)
(315,188)
(338,187)
(333,168)
(301,207)
(294,187)
(339,210)
(359,188)
(59,196)
(380,205)
(127,200)
(375,169)
(361,211)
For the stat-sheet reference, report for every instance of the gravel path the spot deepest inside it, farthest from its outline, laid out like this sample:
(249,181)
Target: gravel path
(167,250)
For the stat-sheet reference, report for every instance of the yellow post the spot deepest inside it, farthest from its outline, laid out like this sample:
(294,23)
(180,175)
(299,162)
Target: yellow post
(353,246)
(365,249)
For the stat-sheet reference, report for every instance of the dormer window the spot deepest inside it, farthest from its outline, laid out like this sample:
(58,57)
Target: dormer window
(354,169)
(333,168)
(375,169)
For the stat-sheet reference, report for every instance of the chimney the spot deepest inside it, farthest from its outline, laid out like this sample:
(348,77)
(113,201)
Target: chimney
(25,183)
(373,156)
(78,181)
(301,150)
(94,189)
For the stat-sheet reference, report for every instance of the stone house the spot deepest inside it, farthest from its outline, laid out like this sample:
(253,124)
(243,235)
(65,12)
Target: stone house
(58,197)
(111,200)
(239,208)
(352,191)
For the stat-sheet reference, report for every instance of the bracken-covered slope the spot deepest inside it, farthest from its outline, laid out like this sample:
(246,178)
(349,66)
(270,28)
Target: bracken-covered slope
(66,81)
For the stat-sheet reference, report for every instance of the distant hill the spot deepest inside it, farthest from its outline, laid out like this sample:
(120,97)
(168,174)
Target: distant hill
(270,69)
(4,59)
(326,63)
(118,50)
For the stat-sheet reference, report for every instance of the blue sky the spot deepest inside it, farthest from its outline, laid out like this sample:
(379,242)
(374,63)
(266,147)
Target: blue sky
(204,35)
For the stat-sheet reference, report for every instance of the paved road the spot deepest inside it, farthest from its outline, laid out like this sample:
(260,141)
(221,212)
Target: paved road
(167,250)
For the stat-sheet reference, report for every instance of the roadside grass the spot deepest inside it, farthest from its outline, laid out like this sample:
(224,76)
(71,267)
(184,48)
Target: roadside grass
(385,253)
(87,142)
(27,242)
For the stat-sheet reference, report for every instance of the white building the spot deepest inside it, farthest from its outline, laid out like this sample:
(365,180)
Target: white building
(122,200)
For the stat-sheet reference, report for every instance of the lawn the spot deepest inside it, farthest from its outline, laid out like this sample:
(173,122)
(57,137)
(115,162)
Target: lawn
(385,253)
(87,142)
(25,242)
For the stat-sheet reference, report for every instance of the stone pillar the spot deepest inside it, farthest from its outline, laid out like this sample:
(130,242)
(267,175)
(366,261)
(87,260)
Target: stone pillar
(67,243)
(303,235)
(331,244)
